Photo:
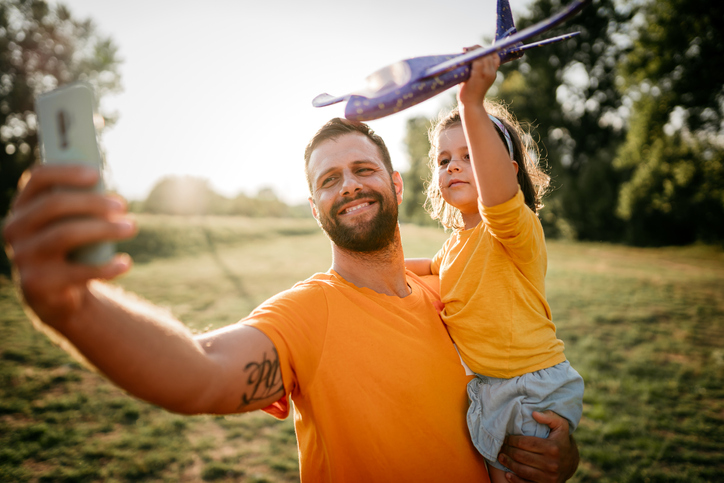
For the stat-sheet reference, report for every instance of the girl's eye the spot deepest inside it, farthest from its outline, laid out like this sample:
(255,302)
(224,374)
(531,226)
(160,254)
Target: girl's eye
(443,161)
(466,157)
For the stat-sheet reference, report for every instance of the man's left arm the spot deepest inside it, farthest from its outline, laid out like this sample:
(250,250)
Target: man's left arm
(532,459)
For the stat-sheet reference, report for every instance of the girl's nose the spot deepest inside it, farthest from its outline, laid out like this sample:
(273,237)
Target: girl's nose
(453,165)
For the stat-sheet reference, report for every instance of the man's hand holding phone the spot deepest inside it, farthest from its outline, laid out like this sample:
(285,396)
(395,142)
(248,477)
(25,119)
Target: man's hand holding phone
(47,223)
(68,136)
(60,207)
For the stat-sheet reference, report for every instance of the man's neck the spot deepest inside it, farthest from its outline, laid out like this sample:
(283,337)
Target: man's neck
(382,271)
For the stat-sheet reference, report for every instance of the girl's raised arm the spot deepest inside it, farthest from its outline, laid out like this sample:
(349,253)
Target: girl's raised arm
(495,172)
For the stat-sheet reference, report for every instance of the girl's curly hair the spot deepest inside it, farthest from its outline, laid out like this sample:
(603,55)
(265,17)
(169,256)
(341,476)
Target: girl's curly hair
(533,180)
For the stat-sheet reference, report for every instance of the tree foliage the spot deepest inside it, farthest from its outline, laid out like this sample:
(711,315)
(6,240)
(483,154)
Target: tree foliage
(181,195)
(674,151)
(42,47)
(418,174)
(189,196)
(630,119)
(569,92)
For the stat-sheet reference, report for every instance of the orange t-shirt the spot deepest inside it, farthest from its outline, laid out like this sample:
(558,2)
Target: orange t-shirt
(378,389)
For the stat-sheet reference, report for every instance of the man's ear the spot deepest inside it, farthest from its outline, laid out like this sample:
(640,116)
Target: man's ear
(314,208)
(397,182)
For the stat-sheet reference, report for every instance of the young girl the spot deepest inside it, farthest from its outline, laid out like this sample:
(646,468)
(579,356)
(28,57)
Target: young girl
(487,189)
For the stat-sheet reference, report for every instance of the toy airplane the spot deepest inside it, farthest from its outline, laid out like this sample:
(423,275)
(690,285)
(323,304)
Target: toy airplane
(401,85)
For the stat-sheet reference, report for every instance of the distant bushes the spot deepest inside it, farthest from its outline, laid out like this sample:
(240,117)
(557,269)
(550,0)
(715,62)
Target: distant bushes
(164,236)
(188,195)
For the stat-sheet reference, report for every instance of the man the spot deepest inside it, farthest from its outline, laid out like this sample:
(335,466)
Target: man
(378,388)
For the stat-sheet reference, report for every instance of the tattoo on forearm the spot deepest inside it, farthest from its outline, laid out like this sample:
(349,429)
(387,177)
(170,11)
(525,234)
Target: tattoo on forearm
(265,380)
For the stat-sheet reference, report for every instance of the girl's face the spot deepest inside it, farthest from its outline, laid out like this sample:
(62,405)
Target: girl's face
(454,172)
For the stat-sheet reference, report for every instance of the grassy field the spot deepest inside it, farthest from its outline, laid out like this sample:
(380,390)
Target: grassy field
(645,327)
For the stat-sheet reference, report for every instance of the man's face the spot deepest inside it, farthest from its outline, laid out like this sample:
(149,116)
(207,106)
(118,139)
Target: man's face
(354,197)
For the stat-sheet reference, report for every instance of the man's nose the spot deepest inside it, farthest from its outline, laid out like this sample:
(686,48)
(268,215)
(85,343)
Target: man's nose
(350,185)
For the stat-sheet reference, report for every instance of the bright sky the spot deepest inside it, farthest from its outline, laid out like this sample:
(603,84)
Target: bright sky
(223,89)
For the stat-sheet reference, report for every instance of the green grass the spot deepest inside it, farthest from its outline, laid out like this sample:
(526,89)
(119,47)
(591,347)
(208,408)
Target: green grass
(645,328)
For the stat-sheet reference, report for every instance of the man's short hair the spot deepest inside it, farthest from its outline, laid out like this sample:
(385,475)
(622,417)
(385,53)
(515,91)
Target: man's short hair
(338,127)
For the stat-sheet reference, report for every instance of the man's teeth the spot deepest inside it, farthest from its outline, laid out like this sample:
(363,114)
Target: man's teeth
(356,207)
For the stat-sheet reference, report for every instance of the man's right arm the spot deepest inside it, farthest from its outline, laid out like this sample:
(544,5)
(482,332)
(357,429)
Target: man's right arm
(156,358)
(137,346)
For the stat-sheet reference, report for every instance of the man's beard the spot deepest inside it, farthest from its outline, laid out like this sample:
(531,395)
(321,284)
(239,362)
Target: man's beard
(365,237)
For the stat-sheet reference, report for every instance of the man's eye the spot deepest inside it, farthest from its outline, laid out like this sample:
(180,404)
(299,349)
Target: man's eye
(328,181)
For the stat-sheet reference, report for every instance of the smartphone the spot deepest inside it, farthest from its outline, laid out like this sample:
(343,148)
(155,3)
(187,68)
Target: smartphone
(68,136)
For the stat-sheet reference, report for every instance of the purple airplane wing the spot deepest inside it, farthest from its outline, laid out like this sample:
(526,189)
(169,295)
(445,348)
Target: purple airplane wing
(406,83)
(508,42)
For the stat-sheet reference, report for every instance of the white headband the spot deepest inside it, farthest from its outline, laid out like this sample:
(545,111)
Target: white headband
(505,132)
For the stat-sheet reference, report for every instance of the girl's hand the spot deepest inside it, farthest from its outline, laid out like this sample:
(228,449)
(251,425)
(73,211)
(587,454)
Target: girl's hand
(482,76)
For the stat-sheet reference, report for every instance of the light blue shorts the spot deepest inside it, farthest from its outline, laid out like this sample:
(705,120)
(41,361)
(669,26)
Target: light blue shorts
(499,407)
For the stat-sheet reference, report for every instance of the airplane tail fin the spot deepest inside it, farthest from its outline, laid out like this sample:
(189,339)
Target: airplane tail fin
(505,28)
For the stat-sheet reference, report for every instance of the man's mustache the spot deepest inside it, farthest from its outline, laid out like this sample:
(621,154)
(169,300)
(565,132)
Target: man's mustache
(367,194)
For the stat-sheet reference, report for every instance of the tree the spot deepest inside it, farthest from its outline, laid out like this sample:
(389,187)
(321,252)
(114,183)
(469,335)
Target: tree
(674,152)
(190,195)
(416,177)
(264,204)
(569,92)
(42,47)
(183,195)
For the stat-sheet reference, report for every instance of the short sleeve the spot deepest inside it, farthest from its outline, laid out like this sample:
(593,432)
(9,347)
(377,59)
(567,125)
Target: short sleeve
(437,259)
(296,322)
(515,226)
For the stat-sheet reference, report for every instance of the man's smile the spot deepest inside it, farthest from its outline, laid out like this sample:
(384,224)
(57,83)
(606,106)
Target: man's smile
(355,207)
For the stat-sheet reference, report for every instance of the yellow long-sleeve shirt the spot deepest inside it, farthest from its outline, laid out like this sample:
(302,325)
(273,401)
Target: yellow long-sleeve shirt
(492,282)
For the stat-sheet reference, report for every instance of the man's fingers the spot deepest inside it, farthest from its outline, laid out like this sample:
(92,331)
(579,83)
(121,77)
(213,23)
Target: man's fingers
(56,275)
(39,212)
(527,464)
(551,459)
(528,469)
(512,477)
(24,178)
(552,420)
(527,443)
(58,240)
(57,283)
(42,259)
(45,177)
(77,273)
(55,212)
(60,274)
(525,455)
